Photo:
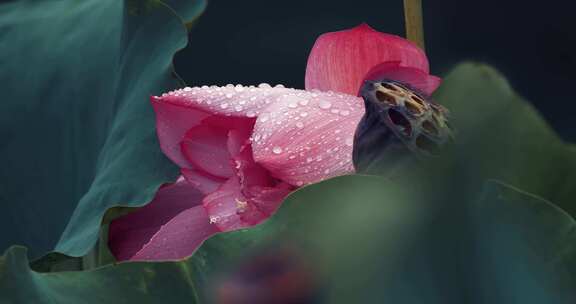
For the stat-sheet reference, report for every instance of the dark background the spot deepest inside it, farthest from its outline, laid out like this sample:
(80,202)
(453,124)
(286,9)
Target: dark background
(532,43)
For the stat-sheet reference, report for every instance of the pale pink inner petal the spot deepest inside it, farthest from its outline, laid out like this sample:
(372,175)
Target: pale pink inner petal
(130,233)
(307,137)
(205,147)
(224,205)
(202,181)
(340,60)
(415,78)
(250,196)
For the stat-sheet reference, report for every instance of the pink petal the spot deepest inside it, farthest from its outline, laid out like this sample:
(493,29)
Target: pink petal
(230,208)
(247,198)
(179,237)
(224,205)
(415,78)
(205,147)
(340,60)
(202,181)
(134,232)
(230,101)
(179,111)
(306,137)
(172,122)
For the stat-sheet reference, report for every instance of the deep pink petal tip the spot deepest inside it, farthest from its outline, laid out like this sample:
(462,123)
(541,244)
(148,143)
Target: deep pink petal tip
(340,60)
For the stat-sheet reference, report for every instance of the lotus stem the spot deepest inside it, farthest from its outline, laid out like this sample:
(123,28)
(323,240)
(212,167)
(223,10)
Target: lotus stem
(414,22)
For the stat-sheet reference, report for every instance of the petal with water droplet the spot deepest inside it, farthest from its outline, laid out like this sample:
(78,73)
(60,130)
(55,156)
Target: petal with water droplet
(312,142)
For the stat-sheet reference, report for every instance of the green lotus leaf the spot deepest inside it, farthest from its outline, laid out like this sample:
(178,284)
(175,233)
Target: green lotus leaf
(77,128)
(352,239)
(499,135)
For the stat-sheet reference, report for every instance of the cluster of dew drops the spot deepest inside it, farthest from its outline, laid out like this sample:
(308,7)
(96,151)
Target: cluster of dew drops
(290,114)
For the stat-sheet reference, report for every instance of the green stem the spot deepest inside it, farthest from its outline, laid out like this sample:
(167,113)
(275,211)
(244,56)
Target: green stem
(414,21)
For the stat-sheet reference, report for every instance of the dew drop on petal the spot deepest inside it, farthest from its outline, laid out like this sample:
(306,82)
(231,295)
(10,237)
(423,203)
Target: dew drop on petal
(224,105)
(300,125)
(324,104)
(251,114)
(264,86)
(344,113)
(349,141)
(187,89)
(277,150)
(304,114)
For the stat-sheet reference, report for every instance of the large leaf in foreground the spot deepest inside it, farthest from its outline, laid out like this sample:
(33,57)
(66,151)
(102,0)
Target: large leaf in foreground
(75,120)
(354,239)
(501,136)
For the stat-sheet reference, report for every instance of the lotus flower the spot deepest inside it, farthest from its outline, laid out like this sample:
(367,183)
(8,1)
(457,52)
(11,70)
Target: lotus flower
(242,150)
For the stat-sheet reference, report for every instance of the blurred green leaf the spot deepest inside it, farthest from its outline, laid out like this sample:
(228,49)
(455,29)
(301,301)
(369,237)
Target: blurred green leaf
(501,136)
(364,240)
(77,128)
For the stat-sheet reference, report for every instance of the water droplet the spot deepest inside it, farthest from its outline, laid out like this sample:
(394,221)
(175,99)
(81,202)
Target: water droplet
(229,95)
(277,150)
(303,102)
(292,157)
(253,98)
(251,114)
(309,159)
(239,88)
(293,104)
(299,183)
(349,141)
(238,108)
(335,111)
(324,104)
(300,125)
(279,86)
(337,131)
(304,114)
(224,105)
(229,85)
(344,113)
(187,89)
(243,101)
(264,86)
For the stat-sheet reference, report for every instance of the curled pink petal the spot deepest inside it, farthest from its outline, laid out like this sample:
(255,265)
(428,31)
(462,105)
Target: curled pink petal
(132,235)
(306,137)
(205,147)
(413,77)
(250,196)
(172,122)
(340,60)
